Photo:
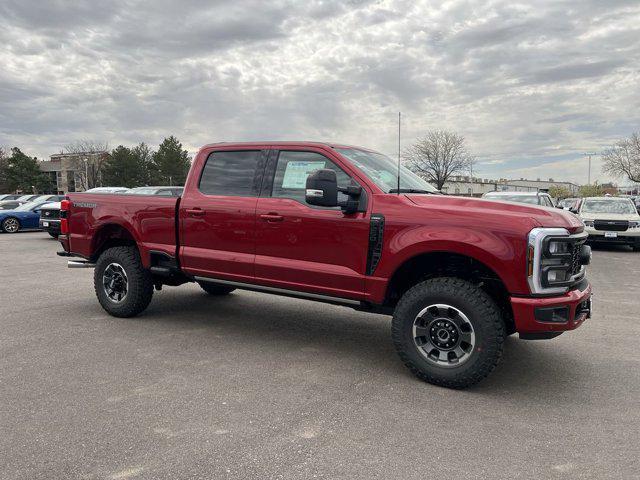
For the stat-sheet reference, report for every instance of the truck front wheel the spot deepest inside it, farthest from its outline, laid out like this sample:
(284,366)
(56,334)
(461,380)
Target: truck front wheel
(123,286)
(448,332)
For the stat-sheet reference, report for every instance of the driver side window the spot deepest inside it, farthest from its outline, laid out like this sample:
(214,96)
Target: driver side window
(292,171)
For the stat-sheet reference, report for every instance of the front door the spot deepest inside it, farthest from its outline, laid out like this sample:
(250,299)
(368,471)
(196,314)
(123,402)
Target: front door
(304,247)
(218,217)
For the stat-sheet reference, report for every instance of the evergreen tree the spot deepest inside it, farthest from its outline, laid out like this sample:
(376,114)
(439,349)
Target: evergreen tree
(22,172)
(144,158)
(122,168)
(4,163)
(170,163)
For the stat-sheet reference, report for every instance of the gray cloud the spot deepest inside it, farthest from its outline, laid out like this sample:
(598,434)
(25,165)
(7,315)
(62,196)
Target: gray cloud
(530,86)
(576,71)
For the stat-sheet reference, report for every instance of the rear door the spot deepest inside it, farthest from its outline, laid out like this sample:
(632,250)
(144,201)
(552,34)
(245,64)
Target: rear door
(303,247)
(217,215)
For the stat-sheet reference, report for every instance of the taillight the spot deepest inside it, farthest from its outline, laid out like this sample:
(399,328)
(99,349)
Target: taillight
(64,221)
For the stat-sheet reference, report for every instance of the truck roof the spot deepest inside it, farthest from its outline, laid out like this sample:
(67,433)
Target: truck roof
(274,143)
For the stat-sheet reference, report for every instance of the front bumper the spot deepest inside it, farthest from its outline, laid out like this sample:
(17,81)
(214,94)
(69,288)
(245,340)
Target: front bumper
(52,225)
(527,313)
(628,237)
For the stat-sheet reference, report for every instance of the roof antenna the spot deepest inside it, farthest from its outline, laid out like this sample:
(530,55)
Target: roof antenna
(399,120)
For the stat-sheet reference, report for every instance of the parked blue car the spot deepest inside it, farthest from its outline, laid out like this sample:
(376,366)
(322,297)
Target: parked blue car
(26,216)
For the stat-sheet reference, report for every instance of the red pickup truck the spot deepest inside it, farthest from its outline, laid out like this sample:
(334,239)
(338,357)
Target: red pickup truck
(332,223)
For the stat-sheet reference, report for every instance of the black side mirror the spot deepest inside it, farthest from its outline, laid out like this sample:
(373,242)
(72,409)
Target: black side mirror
(322,190)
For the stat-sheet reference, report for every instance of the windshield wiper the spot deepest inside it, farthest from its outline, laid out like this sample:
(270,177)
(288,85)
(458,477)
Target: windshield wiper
(412,190)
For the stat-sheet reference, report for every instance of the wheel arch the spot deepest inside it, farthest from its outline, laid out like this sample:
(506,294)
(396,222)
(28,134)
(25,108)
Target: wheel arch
(445,263)
(111,235)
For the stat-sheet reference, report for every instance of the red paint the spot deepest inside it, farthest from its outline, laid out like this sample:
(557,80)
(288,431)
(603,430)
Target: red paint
(284,243)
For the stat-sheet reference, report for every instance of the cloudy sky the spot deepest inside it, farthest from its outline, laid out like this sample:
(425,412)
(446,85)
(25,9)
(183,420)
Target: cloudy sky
(531,86)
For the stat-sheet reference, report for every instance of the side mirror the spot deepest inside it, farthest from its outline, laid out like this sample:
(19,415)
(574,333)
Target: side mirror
(322,190)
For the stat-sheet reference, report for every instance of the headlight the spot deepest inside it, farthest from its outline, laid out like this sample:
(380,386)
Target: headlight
(555,259)
(588,223)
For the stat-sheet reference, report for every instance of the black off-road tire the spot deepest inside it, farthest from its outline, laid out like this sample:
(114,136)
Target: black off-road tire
(483,314)
(139,279)
(54,235)
(636,248)
(213,289)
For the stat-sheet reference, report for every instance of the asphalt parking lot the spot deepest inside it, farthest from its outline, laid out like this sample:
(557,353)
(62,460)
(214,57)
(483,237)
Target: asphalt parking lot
(257,386)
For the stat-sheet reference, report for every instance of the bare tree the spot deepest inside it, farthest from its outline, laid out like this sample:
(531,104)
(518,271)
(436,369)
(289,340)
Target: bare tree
(89,161)
(623,159)
(438,155)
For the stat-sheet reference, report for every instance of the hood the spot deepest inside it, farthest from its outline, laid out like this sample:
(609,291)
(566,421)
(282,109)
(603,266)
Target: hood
(537,216)
(51,206)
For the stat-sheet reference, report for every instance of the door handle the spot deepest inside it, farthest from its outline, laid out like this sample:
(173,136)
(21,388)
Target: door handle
(271,217)
(195,212)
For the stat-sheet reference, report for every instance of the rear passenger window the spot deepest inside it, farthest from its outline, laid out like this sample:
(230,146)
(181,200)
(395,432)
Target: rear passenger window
(230,174)
(293,169)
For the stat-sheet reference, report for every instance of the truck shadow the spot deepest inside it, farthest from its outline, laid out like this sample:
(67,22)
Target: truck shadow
(611,248)
(357,339)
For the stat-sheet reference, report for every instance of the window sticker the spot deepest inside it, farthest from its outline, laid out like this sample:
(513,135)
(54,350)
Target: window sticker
(296,173)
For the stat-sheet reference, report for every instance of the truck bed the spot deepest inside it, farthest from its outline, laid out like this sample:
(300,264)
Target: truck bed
(148,219)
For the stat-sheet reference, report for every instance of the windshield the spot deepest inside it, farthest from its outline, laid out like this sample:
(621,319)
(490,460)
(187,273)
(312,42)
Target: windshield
(384,172)
(621,206)
(27,207)
(532,199)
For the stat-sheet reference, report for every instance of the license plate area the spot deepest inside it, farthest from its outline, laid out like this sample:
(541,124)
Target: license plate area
(45,224)
(610,234)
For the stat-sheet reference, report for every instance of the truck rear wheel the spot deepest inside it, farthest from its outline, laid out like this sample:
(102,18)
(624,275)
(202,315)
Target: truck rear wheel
(123,286)
(448,332)
(213,289)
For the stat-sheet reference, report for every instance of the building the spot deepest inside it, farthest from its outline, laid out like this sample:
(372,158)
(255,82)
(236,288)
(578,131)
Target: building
(476,187)
(524,185)
(73,172)
(468,186)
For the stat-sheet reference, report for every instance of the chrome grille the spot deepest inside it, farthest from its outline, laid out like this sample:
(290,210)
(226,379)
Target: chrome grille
(49,214)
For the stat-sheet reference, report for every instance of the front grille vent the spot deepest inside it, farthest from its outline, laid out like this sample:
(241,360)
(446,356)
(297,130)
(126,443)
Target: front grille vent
(611,225)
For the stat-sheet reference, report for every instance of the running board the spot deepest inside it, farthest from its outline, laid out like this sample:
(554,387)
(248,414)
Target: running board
(80,264)
(345,302)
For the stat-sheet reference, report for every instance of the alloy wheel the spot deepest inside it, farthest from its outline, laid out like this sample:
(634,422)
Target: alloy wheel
(115,282)
(11,225)
(444,335)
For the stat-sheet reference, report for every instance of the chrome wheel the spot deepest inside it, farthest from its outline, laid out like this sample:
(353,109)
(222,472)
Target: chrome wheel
(11,225)
(444,335)
(115,282)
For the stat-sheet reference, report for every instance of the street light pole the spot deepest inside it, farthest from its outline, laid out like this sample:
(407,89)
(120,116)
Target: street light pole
(588,154)
(86,174)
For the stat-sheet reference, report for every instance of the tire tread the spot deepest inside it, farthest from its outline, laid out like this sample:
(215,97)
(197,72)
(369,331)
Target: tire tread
(138,277)
(486,307)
